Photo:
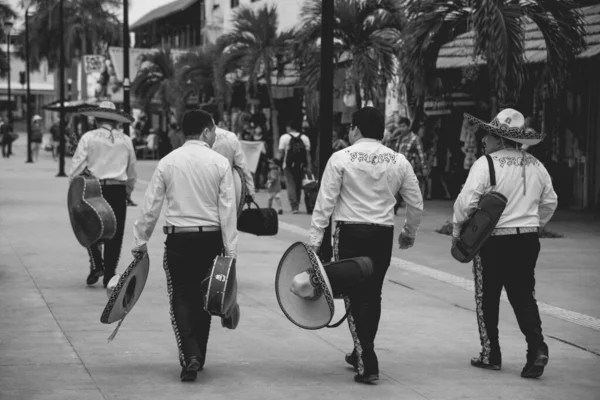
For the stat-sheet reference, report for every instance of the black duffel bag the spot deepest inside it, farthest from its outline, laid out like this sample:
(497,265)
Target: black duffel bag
(481,222)
(258,221)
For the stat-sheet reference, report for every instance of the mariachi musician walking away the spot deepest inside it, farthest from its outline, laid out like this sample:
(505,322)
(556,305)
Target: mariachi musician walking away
(508,258)
(359,187)
(108,155)
(201,221)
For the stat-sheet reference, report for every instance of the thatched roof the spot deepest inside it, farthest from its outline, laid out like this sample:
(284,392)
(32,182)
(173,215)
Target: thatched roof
(162,12)
(458,53)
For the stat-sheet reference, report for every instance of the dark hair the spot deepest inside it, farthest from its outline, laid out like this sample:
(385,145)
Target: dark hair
(196,121)
(294,125)
(404,121)
(370,121)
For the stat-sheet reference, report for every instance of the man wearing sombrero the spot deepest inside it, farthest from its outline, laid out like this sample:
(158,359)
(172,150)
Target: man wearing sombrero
(109,155)
(358,189)
(508,258)
(201,224)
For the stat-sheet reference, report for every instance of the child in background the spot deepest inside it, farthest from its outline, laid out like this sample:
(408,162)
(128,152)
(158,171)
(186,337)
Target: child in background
(274,184)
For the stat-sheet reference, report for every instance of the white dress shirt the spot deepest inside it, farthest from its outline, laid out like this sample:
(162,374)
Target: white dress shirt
(359,185)
(528,208)
(228,145)
(108,154)
(198,185)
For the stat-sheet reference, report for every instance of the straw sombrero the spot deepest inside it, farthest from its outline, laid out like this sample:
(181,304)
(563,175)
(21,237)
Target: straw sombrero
(124,291)
(306,289)
(107,110)
(509,124)
(241,188)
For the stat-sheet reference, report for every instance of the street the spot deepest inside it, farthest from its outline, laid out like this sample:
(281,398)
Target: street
(53,346)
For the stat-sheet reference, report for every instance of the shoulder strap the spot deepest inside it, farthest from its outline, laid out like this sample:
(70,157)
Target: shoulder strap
(492,170)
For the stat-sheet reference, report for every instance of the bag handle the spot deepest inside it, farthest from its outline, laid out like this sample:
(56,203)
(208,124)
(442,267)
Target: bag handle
(341,320)
(492,170)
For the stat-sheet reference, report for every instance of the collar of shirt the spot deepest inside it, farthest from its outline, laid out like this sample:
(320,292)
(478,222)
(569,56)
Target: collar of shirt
(367,140)
(196,142)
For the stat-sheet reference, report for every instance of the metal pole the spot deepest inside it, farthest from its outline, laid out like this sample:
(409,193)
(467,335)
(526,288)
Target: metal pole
(9,114)
(29,159)
(126,83)
(61,164)
(326,107)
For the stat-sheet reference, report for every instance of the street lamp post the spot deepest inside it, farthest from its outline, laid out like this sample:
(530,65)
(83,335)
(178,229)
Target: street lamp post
(326,107)
(126,83)
(61,147)
(27,66)
(8,25)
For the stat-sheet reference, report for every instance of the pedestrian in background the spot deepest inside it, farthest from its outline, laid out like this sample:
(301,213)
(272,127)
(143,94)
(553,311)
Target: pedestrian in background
(36,137)
(274,184)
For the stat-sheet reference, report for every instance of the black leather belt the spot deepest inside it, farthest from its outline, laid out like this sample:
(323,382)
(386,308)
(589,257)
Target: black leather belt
(111,182)
(168,230)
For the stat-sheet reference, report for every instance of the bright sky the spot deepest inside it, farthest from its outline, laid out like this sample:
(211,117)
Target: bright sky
(137,8)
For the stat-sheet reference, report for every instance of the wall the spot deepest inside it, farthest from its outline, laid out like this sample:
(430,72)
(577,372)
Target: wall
(289,11)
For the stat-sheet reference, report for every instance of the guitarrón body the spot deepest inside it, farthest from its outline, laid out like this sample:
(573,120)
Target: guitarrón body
(92,218)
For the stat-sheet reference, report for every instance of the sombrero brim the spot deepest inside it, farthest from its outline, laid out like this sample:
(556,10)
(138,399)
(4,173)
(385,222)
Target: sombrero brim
(127,292)
(307,314)
(519,135)
(107,113)
(241,188)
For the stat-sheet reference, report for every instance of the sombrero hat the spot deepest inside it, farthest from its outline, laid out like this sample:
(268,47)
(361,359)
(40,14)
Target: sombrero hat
(241,188)
(303,285)
(509,124)
(124,291)
(107,110)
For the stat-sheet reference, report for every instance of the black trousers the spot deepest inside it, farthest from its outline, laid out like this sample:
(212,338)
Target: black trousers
(507,261)
(364,240)
(108,258)
(187,261)
(6,146)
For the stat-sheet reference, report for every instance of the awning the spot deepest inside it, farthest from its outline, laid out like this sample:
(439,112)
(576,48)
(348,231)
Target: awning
(162,12)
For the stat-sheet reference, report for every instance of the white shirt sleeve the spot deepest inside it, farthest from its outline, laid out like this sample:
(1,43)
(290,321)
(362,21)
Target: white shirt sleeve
(239,160)
(548,202)
(412,196)
(131,171)
(475,186)
(283,141)
(79,160)
(150,212)
(306,141)
(228,212)
(329,194)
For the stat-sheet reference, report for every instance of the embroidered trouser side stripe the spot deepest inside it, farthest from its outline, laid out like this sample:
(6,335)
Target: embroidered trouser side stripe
(171,309)
(486,348)
(351,324)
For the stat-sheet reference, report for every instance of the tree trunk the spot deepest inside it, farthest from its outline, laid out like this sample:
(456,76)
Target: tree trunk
(357,95)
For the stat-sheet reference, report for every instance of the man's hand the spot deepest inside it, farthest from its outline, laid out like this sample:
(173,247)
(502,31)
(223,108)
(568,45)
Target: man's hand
(405,241)
(315,249)
(139,251)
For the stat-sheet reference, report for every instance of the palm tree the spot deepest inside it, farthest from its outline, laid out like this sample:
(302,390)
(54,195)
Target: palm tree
(6,13)
(90,25)
(366,33)
(196,73)
(157,77)
(254,46)
(498,27)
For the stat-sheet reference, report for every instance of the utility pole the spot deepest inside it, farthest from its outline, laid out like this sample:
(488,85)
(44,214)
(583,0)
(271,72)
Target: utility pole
(61,163)
(27,67)
(326,108)
(126,82)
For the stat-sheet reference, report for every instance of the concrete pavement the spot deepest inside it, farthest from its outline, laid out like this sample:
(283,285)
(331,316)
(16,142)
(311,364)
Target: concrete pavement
(52,345)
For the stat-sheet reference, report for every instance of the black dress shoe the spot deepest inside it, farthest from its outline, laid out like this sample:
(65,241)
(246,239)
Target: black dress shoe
(94,275)
(351,359)
(478,362)
(535,367)
(189,373)
(366,378)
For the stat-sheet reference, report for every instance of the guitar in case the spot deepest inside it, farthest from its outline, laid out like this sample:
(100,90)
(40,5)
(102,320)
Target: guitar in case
(220,292)
(92,218)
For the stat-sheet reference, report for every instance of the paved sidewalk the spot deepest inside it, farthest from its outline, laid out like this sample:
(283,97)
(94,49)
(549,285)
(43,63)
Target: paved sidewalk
(52,345)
